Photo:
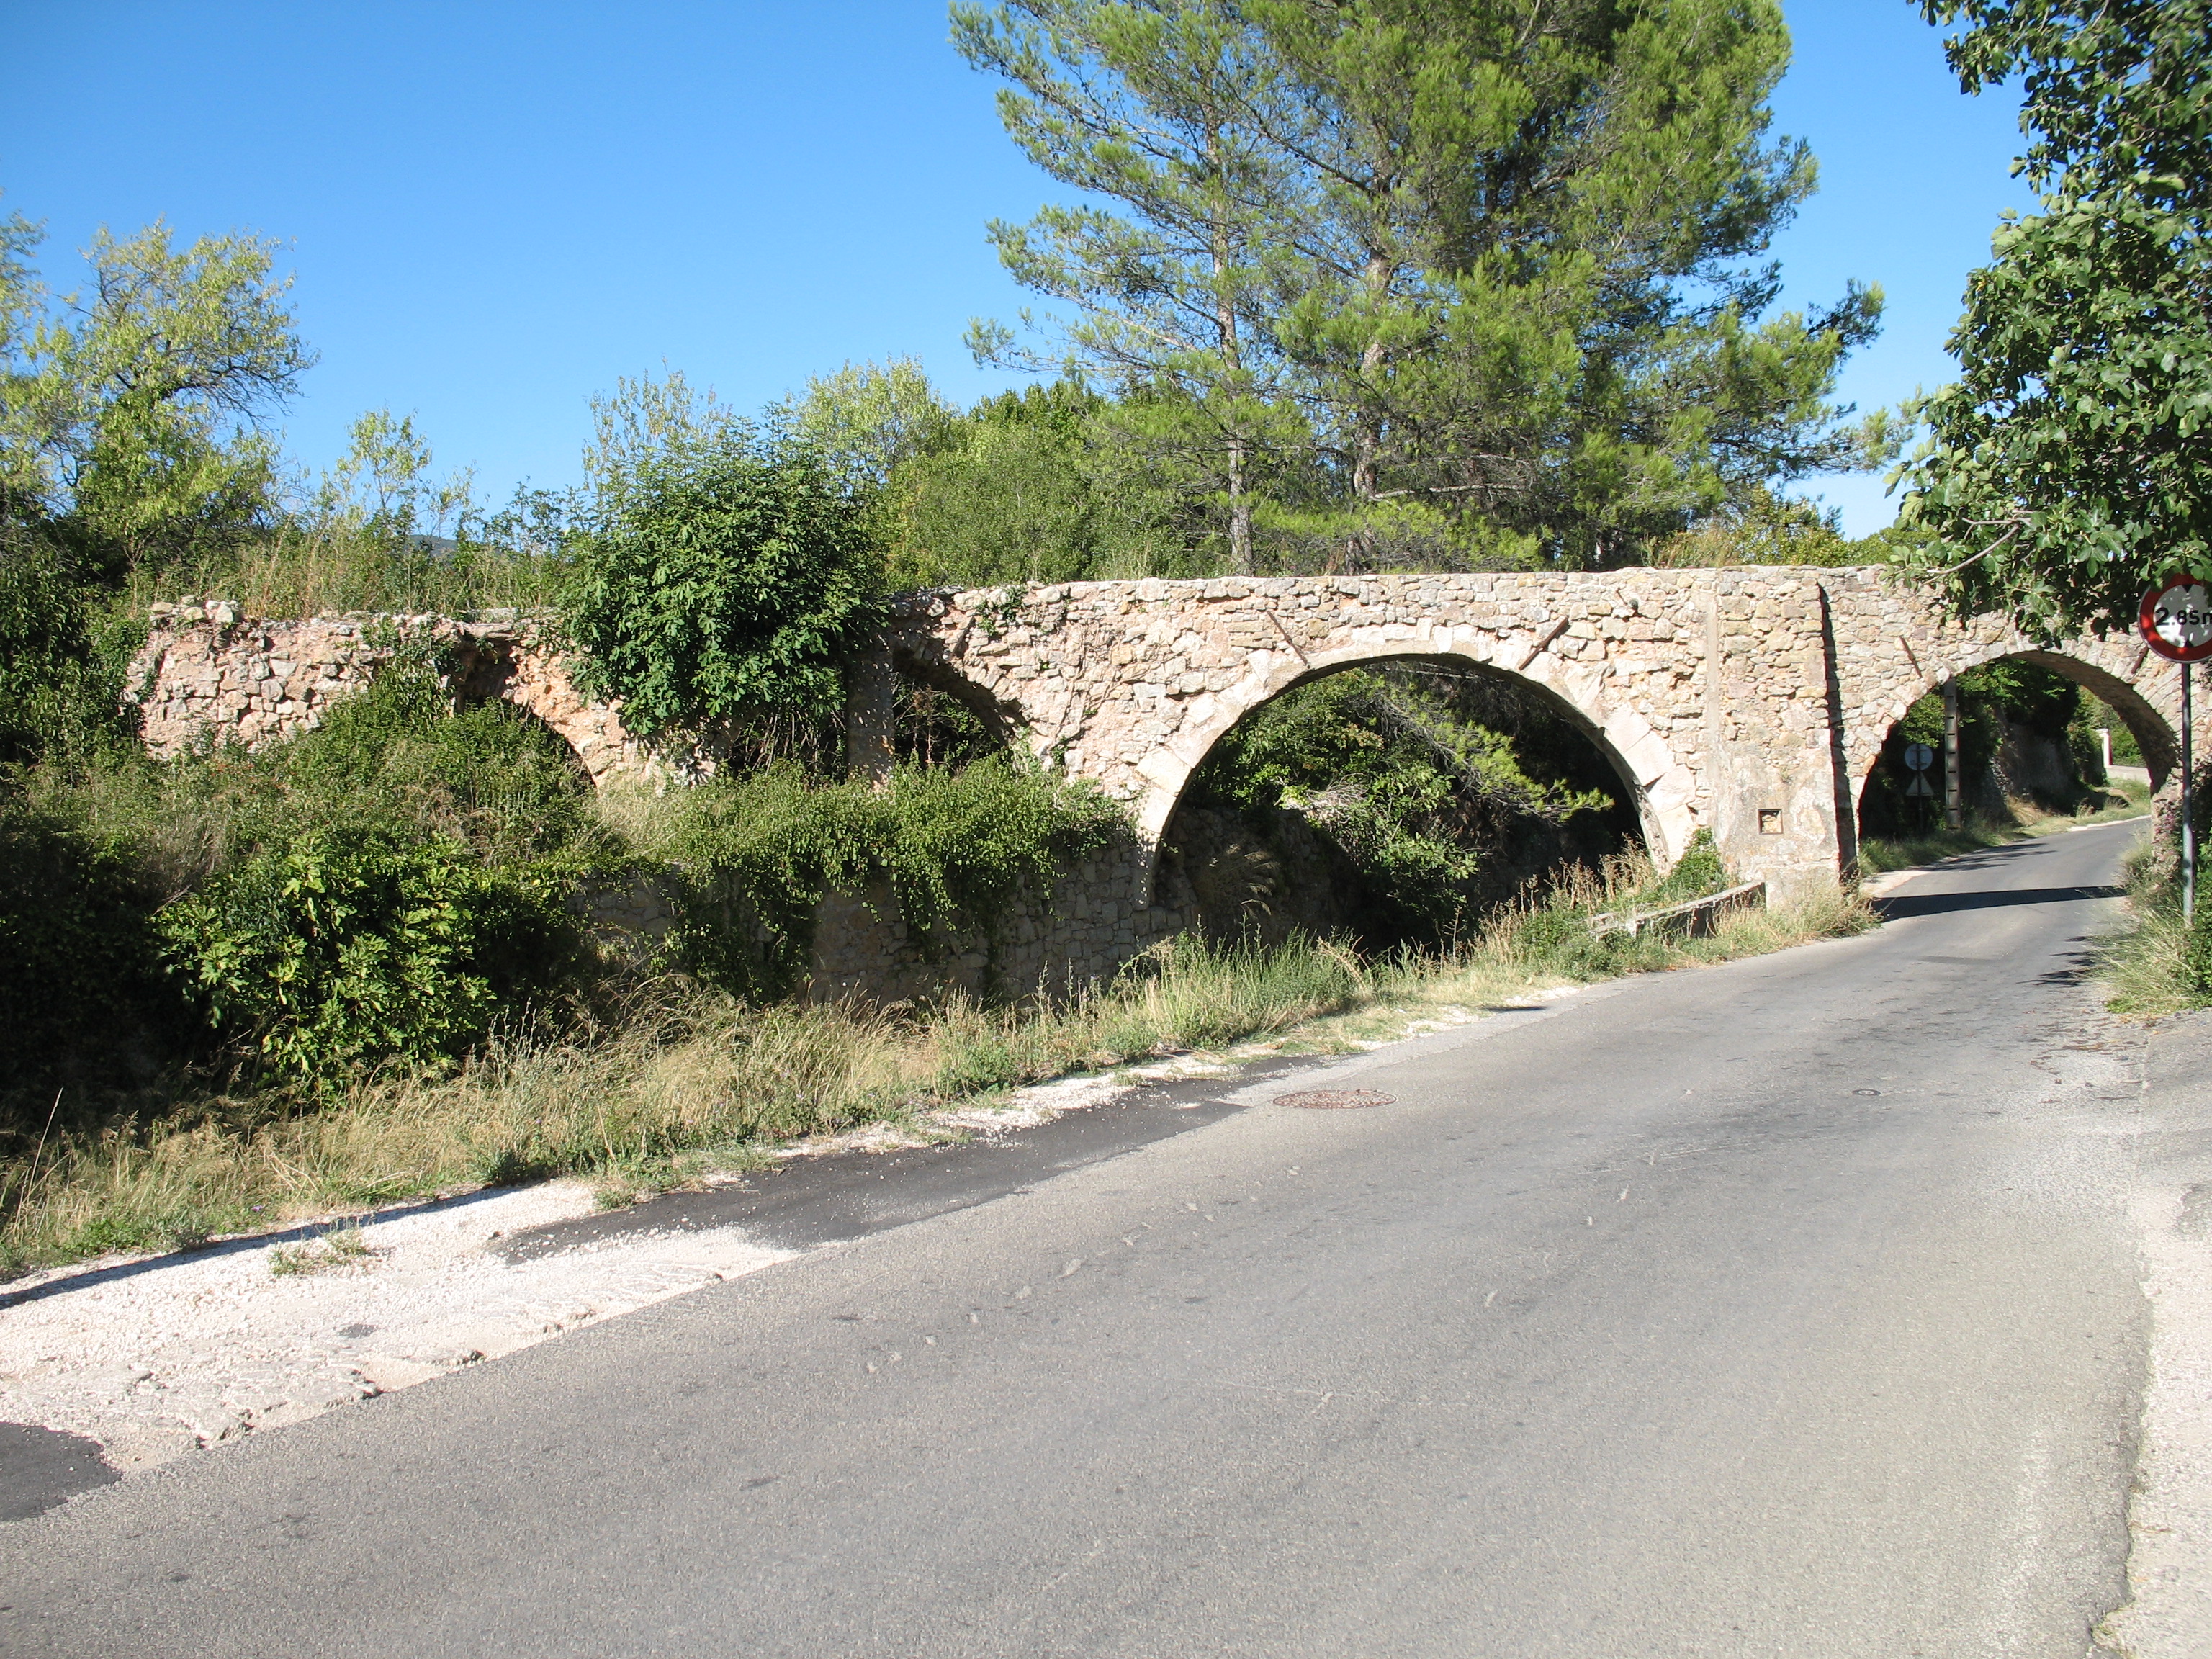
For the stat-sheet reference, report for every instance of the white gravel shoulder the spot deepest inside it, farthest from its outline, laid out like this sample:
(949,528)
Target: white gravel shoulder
(160,1357)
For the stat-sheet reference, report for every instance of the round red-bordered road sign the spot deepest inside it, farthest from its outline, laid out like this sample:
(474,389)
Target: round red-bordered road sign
(2177,620)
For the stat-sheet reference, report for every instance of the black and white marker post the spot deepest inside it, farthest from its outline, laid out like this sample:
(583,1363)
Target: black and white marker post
(2177,624)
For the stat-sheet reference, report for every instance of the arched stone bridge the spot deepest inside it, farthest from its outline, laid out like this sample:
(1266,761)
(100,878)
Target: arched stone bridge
(1750,701)
(1753,702)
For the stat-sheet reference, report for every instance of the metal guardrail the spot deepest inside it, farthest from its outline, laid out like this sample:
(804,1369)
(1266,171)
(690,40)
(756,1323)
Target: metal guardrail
(1693,918)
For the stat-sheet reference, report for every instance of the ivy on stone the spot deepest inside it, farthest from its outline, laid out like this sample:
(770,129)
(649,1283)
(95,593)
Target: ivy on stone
(957,850)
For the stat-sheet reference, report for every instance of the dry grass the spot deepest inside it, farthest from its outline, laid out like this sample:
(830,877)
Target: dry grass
(2146,970)
(691,1082)
(340,1248)
(296,571)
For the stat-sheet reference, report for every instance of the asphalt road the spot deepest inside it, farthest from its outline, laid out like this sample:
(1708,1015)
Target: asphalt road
(1788,1307)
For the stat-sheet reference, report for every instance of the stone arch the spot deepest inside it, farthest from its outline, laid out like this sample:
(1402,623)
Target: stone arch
(533,679)
(1659,788)
(2153,729)
(1005,721)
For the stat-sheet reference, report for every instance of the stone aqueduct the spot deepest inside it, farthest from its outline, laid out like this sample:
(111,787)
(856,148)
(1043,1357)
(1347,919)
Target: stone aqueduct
(1753,702)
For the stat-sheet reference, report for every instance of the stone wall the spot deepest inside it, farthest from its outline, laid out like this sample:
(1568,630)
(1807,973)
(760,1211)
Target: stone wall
(1097,920)
(210,675)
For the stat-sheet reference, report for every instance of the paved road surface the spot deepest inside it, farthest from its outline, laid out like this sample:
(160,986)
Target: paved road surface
(1786,1308)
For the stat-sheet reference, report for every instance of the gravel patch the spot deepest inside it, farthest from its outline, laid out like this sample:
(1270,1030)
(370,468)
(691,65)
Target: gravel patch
(154,1358)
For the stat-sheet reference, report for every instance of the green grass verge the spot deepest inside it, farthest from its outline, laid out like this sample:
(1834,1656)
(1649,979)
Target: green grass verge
(2149,970)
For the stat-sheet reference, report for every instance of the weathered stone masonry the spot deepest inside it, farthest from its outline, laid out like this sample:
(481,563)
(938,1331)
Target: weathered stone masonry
(1751,702)
(207,673)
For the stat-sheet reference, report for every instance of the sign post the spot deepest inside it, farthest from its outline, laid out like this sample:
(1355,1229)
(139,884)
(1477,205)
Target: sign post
(2177,624)
(1919,757)
(1953,819)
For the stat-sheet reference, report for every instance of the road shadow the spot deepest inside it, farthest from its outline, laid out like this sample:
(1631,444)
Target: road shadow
(40,1468)
(1899,906)
(806,1202)
(2080,965)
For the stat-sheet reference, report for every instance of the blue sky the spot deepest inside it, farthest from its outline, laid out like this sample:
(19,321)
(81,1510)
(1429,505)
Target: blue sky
(495,208)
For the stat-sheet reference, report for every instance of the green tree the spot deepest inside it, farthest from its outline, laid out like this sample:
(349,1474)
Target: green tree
(866,419)
(61,671)
(131,409)
(1422,798)
(644,420)
(1764,527)
(711,580)
(1161,108)
(382,486)
(1523,263)
(2068,467)
(1495,258)
(865,424)
(2110,92)
(1026,488)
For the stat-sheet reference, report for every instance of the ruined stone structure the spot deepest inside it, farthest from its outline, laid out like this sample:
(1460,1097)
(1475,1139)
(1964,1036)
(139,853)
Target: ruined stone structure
(209,674)
(1750,702)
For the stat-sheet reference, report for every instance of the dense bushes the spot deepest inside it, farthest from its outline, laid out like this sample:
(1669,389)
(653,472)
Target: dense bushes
(61,669)
(713,580)
(79,968)
(376,889)
(382,886)
(750,858)
(400,754)
(392,885)
(1445,792)
(357,942)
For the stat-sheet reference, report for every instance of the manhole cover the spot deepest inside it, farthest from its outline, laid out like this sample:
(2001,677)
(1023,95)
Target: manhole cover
(1866,1091)
(1328,1100)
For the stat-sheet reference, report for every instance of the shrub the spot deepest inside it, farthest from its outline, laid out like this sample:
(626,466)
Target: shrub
(960,849)
(379,887)
(61,676)
(399,753)
(351,944)
(78,986)
(718,578)
(1697,872)
(753,856)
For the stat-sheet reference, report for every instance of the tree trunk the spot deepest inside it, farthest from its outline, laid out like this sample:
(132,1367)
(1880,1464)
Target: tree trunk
(1232,363)
(1367,451)
(1240,513)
